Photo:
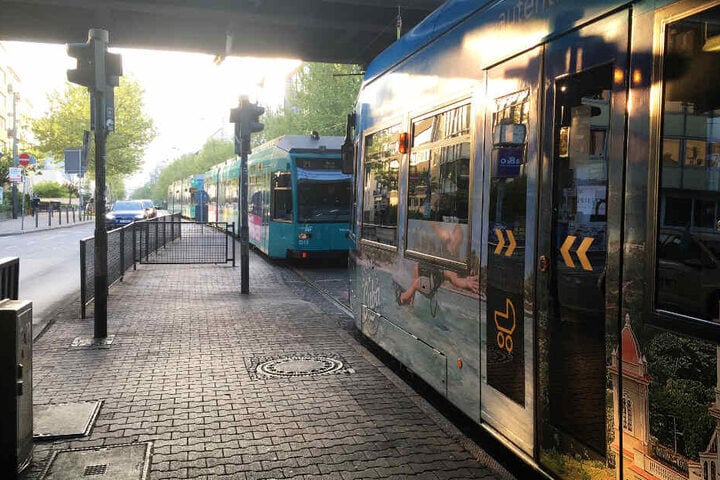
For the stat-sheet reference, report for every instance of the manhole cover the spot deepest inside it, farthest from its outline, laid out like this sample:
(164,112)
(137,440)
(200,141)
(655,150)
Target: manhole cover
(300,366)
(118,462)
(64,419)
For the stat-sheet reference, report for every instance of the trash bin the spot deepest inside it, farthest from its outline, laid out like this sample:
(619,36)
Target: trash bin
(16,429)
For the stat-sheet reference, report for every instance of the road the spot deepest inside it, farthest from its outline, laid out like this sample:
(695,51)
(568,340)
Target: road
(49,267)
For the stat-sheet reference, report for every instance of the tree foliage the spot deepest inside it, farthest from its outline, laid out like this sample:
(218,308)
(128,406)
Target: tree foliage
(69,115)
(683,381)
(48,189)
(320,98)
(213,152)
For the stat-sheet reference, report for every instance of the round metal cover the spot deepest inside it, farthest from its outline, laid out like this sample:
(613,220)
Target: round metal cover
(300,366)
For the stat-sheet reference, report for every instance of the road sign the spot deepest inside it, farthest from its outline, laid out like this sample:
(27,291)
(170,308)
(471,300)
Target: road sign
(73,161)
(14,174)
(24,159)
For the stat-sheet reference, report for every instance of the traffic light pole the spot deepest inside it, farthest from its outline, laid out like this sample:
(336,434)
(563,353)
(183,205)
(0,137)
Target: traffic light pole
(244,230)
(246,119)
(101,270)
(100,72)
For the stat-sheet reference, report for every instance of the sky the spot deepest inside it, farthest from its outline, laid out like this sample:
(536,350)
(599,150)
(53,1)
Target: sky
(188,97)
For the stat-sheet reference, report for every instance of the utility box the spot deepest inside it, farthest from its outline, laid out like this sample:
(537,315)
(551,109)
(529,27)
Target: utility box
(16,404)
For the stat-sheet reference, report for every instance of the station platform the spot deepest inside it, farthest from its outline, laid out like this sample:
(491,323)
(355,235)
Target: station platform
(199,381)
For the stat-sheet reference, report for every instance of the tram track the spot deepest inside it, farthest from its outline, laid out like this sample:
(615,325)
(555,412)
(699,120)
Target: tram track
(343,307)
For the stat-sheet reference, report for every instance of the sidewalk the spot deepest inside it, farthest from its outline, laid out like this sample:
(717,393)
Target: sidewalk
(185,374)
(22,225)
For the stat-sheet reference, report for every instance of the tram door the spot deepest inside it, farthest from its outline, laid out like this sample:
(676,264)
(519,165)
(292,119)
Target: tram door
(579,230)
(511,157)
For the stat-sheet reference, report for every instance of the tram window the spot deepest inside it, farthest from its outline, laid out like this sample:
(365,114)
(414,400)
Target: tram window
(688,269)
(381,170)
(439,185)
(282,197)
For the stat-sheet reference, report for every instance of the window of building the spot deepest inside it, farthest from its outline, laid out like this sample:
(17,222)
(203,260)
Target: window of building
(627,414)
(381,174)
(439,184)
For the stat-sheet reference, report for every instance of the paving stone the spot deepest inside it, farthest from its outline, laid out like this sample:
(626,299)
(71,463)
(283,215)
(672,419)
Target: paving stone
(177,375)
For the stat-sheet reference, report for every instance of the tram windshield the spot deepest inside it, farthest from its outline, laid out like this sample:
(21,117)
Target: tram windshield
(324,196)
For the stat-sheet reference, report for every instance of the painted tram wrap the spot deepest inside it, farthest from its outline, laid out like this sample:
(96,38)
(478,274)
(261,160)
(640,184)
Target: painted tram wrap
(537,226)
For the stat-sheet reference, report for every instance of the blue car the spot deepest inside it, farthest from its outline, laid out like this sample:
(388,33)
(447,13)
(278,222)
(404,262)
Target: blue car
(125,212)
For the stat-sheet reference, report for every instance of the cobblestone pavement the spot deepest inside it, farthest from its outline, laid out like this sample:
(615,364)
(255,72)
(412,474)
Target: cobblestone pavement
(180,374)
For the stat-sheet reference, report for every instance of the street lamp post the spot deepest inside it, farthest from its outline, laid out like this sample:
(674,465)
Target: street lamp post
(15,95)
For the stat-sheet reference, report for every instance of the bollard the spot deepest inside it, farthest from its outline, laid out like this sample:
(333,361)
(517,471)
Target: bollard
(67,215)
(37,217)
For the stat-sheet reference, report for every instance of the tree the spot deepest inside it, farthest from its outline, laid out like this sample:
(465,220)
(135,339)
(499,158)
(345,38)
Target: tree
(69,115)
(320,98)
(49,189)
(213,152)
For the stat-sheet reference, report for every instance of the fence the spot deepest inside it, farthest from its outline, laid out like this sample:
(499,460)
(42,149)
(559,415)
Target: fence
(164,239)
(50,213)
(191,242)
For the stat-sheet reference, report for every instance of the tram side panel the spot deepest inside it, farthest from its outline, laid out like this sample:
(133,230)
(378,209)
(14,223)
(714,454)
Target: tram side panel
(658,388)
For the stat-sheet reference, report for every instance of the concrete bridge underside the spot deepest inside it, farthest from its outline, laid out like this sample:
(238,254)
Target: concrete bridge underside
(342,31)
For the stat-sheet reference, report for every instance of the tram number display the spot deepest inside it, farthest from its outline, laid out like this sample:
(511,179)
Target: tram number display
(318,163)
(507,161)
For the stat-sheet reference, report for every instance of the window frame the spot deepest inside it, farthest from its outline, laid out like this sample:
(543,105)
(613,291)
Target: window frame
(413,120)
(399,124)
(673,321)
(275,189)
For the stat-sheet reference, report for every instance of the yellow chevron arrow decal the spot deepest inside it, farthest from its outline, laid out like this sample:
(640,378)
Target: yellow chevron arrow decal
(565,250)
(582,253)
(501,241)
(511,247)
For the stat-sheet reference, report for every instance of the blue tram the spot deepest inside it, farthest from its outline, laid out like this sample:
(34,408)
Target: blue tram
(537,226)
(298,197)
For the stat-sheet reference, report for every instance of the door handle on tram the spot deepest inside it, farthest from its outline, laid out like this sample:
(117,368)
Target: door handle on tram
(543,263)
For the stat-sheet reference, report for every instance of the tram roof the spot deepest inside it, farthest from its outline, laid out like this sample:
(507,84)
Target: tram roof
(438,22)
(302,143)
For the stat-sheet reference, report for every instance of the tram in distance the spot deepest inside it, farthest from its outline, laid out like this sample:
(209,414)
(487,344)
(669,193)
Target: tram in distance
(298,197)
(536,231)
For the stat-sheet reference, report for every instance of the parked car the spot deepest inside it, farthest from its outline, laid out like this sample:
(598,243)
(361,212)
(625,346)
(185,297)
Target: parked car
(149,207)
(688,272)
(125,212)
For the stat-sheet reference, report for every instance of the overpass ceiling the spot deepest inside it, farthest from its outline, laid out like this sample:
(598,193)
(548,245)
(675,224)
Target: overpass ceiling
(342,31)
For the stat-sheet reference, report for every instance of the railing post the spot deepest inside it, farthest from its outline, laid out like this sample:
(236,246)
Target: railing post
(122,254)
(83,274)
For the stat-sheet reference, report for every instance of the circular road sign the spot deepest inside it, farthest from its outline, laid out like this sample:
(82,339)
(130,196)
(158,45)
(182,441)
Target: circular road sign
(24,159)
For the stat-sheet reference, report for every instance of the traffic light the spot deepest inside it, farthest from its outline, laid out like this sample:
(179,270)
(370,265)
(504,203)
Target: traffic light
(251,119)
(97,69)
(246,118)
(113,69)
(84,74)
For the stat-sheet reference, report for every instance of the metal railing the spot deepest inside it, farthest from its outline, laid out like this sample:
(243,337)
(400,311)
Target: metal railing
(165,239)
(178,242)
(9,277)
